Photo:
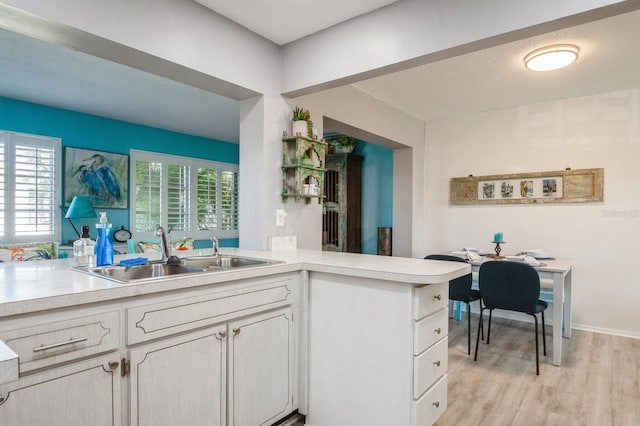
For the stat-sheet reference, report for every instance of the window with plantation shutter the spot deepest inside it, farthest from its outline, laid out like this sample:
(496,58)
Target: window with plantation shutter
(197,198)
(229,201)
(29,188)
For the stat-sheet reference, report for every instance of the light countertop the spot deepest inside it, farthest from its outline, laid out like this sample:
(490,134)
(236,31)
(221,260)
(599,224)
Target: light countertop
(36,286)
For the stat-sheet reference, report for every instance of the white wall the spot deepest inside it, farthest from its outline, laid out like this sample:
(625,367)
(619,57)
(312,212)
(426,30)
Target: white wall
(358,110)
(601,238)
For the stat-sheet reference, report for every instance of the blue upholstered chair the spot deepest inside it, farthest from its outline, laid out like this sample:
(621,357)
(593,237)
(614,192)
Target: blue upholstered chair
(460,290)
(511,286)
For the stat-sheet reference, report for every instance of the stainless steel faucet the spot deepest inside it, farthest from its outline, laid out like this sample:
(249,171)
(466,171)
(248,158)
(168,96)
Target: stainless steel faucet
(165,243)
(215,243)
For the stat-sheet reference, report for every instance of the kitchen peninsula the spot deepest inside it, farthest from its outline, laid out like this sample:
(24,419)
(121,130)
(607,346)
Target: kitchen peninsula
(343,338)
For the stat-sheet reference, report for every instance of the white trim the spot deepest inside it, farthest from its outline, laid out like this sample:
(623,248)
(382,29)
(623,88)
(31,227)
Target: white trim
(602,330)
(194,164)
(10,139)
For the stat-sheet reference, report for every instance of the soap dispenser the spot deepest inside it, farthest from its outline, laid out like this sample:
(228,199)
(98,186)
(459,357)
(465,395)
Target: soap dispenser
(104,246)
(84,250)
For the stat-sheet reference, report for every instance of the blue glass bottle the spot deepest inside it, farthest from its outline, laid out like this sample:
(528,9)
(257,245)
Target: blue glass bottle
(104,245)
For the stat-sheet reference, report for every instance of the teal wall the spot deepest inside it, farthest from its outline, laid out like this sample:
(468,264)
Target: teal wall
(104,134)
(377,192)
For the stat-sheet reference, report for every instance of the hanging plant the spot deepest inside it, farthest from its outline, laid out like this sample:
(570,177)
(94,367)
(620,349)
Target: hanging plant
(342,144)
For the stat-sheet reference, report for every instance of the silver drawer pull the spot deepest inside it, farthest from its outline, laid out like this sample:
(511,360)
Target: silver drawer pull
(436,404)
(437,297)
(438,330)
(436,363)
(57,345)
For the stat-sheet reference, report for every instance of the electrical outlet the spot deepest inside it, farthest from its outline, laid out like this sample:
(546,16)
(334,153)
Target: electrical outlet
(280,216)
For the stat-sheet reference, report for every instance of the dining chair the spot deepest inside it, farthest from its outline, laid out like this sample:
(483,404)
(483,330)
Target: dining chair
(511,286)
(460,290)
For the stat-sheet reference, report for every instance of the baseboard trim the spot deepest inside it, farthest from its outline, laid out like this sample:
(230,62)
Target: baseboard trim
(602,330)
(549,321)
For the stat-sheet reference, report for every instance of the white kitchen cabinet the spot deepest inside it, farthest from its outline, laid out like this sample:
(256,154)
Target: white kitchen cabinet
(180,380)
(377,352)
(84,393)
(261,368)
(222,357)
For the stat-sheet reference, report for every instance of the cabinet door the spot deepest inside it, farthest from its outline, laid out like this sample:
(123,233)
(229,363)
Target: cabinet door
(85,393)
(261,368)
(180,381)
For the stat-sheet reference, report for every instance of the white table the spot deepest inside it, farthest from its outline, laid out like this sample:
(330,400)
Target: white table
(555,274)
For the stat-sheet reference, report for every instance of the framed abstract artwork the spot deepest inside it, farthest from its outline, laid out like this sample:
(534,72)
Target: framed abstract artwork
(103,176)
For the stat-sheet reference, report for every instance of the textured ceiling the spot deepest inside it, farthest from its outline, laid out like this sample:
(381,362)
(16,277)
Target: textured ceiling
(496,78)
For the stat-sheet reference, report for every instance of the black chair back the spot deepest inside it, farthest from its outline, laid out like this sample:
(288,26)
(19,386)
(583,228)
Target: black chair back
(459,288)
(512,286)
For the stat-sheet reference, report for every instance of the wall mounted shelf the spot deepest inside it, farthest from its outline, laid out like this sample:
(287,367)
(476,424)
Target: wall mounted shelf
(303,169)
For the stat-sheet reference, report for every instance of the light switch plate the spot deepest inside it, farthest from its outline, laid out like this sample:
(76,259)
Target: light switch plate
(280,216)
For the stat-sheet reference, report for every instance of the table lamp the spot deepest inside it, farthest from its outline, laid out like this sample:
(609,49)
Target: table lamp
(79,208)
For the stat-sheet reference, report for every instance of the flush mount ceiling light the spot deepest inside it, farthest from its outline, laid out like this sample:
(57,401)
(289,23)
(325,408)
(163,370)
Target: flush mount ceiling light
(551,58)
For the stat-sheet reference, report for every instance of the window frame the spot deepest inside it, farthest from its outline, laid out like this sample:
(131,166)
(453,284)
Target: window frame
(10,139)
(193,164)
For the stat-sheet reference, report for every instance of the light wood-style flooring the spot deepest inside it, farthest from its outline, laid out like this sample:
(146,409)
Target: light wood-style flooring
(598,383)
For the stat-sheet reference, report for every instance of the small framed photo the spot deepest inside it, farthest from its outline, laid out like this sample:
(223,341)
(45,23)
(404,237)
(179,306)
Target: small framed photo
(103,176)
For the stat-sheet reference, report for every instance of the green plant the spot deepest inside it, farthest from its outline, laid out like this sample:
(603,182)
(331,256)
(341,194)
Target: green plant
(301,114)
(341,141)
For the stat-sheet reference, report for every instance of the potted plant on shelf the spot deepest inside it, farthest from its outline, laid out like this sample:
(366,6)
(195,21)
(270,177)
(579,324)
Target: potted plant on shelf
(302,124)
(341,144)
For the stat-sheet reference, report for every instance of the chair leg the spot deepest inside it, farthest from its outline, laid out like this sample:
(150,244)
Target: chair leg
(535,319)
(481,323)
(544,339)
(468,329)
(475,357)
(489,328)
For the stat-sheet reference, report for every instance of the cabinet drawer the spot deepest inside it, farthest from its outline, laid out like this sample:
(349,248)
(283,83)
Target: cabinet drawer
(48,344)
(429,298)
(429,330)
(163,319)
(432,404)
(429,366)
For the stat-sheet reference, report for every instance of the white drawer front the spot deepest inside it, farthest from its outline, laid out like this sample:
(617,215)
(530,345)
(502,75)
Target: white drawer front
(429,330)
(430,407)
(429,366)
(429,298)
(167,318)
(48,344)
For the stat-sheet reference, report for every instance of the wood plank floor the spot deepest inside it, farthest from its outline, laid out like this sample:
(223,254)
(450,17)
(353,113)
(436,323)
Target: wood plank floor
(598,383)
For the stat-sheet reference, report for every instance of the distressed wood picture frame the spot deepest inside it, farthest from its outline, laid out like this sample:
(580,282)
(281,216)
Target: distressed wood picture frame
(561,186)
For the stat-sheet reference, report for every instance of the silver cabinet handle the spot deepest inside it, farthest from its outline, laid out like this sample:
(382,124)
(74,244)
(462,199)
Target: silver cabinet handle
(57,345)
(438,330)
(436,363)
(236,331)
(437,297)
(436,404)
(222,334)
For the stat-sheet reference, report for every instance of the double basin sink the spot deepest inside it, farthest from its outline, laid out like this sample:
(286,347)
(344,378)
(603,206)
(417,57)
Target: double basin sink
(188,265)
